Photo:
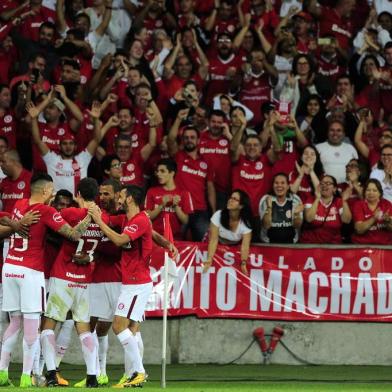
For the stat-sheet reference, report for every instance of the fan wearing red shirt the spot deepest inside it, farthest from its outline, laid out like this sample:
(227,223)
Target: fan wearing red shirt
(70,280)
(222,18)
(136,240)
(214,147)
(372,217)
(7,116)
(324,214)
(168,199)
(223,67)
(147,116)
(193,174)
(23,274)
(8,57)
(370,140)
(179,69)
(257,83)
(335,21)
(30,25)
(16,185)
(154,16)
(252,170)
(125,127)
(263,14)
(132,161)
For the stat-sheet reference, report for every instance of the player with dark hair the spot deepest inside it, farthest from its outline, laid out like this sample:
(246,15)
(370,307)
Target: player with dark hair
(69,286)
(23,276)
(136,240)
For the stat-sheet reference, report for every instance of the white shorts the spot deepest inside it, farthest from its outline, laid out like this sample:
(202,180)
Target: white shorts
(103,299)
(64,296)
(23,289)
(133,300)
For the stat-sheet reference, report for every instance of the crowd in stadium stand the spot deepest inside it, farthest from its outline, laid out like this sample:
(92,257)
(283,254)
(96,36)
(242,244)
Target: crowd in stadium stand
(264,120)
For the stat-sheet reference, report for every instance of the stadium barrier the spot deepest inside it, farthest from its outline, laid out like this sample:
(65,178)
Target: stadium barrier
(283,283)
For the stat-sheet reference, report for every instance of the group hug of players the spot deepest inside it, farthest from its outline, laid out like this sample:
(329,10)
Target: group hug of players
(99,278)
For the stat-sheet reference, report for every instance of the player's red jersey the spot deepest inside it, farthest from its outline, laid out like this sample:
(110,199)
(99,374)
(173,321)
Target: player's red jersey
(51,251)
(8,128)
(325,228)
(154,198)
(13,190)
(192,176)
(252,177)
(135,258)
(216,153)
(378,233)
(29,252)
(108,256)
(64,267)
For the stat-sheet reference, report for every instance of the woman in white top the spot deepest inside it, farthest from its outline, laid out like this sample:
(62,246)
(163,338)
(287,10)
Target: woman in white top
(231,226)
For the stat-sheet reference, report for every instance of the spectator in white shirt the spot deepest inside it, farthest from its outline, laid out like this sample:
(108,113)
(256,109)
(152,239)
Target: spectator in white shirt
(67,168)
(383,171)
(335,153)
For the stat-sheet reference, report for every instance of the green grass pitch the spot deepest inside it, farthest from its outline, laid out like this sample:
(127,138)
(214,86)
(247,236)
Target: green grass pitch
(241,378)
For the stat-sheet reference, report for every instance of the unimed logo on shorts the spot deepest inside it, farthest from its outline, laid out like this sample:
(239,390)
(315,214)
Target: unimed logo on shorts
(121,306)
(18,276)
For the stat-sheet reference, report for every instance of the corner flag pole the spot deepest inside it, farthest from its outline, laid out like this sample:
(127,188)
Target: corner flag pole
(169,236)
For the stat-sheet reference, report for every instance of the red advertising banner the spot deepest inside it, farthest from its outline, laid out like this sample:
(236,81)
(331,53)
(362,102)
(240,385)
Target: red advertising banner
(283,284)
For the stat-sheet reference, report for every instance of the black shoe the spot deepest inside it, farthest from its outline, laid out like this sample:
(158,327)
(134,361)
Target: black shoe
(91,381)
(51,379)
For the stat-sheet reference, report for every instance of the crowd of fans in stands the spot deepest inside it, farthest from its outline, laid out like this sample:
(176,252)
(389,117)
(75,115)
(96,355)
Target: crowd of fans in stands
(267,121)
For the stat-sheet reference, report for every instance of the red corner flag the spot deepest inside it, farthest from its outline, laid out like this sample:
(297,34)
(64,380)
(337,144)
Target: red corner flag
(167,231)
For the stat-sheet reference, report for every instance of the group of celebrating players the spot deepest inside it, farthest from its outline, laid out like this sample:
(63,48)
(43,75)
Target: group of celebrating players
(121,242)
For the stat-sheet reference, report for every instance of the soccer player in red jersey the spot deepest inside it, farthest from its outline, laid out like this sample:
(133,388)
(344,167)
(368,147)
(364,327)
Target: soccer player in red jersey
(106,287)
(69,286)
(16,185)
(23,274)
(106,283)
(136,240)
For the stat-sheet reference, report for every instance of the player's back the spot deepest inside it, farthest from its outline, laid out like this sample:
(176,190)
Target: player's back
(29,252)
(64,267)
